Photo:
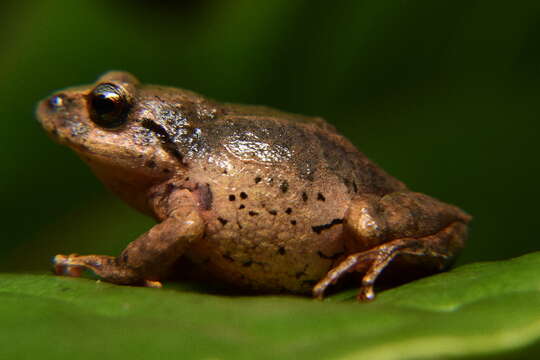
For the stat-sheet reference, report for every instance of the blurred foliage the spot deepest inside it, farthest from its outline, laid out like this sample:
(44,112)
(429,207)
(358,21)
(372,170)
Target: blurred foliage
(478,311)
(442,94)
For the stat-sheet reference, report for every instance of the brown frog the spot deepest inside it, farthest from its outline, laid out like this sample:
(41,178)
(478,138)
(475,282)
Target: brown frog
(258,198)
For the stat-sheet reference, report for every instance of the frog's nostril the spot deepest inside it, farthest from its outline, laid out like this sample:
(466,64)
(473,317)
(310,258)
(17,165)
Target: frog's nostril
(56,102)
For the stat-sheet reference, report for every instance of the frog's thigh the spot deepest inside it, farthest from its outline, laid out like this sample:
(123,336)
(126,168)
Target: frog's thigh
(146,258)
(371,222)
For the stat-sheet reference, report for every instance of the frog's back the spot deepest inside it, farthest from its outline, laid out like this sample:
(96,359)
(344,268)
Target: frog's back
(259,111)
(309,145)
(239,135)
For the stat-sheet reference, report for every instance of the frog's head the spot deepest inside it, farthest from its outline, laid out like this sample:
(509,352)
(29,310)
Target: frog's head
(116,126)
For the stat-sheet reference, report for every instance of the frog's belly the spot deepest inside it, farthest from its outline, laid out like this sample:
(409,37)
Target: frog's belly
(271,231)
(266,260)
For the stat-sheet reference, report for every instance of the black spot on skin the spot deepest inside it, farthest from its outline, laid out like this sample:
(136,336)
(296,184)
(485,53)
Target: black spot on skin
(206,196)
(288,211)
(150,164)
(258,179)
(309,282)
(355,187)
(321,197)
(166,141)
(232,197)
(331,257)
(281,250)
(242,206)
(167,171)
(293,222)
(284,187)
(243,195)
(304,196)
(253,213)
(247,263)
(299,274)
(272,212)
(227,256)
(319,228)
(223,221)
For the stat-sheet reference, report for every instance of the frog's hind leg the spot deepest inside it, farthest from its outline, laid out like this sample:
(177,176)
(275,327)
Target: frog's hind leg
(144,260)
(374,220)
(373,262)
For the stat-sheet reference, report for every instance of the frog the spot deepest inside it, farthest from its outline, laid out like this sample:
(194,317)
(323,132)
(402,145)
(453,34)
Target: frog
(251,197)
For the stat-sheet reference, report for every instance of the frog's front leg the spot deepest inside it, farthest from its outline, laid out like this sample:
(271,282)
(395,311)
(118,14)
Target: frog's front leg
(144,260)
(423,232)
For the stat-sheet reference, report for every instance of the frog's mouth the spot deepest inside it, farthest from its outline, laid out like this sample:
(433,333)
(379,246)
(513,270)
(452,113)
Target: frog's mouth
(165,140)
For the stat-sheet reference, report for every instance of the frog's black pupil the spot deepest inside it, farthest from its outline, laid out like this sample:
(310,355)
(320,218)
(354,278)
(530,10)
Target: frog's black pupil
(108,105)
(103,104)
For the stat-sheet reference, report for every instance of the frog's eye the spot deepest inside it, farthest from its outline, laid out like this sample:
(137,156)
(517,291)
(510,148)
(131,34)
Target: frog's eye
(108,105)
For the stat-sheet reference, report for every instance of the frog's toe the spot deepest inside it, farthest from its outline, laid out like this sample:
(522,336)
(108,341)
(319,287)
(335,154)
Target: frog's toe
(366,293)
(318,291)
(64,265)
(153,284)
(346,266)
(320,288)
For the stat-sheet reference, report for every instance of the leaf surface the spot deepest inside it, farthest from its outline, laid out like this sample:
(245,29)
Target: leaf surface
(483,309)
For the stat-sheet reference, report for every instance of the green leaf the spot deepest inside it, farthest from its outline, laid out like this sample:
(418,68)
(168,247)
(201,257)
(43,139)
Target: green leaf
(483,309)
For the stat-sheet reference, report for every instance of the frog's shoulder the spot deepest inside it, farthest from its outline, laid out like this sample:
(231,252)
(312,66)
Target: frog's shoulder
(264,112)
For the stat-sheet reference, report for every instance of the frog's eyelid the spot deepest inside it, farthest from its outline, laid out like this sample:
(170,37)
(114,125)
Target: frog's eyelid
(120,88)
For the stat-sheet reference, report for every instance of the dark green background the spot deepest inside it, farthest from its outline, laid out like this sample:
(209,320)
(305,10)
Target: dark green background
(442,94)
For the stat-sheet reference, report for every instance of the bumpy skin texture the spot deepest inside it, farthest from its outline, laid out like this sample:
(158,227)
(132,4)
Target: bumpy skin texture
(258,198)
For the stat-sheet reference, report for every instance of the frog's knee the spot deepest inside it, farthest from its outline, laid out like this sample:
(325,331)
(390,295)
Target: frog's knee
(364,219)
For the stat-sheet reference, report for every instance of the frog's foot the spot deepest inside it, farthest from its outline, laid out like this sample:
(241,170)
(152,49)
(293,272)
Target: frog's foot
(429,249)
(63,267)
(376,260)
(106,267)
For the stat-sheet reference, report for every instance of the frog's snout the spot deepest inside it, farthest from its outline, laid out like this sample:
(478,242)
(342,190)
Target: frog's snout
(60,116)
(56,105)
(46,114)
